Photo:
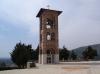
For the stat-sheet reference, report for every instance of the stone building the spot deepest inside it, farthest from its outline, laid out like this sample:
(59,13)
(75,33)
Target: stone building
(49,38)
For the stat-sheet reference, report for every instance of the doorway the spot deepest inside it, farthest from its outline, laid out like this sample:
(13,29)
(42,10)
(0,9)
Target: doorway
(50,57)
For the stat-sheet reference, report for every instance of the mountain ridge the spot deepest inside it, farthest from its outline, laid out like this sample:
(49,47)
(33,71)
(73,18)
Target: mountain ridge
(79,50)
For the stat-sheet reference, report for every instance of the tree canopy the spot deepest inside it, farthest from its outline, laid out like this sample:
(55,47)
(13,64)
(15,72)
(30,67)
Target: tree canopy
(89,53)
(73,55)
(64,53)
(21,54)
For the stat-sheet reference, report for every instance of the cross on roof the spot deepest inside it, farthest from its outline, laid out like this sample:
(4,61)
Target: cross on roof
(48,6)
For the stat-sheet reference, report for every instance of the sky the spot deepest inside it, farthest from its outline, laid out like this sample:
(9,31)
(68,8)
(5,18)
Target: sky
(79,24)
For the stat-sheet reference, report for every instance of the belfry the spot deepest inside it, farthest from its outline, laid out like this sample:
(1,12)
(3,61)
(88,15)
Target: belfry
(49,38)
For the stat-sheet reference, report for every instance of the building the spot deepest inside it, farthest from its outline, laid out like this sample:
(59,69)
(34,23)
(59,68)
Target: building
(49,40)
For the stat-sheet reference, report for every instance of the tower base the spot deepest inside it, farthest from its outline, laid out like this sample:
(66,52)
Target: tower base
(49,59)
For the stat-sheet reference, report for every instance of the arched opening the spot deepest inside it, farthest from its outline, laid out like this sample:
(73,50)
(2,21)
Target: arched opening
(53,36)
(49,23)
(50,56)
(48,36)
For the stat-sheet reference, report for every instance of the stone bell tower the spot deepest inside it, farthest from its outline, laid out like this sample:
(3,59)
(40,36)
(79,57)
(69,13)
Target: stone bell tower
(48,44)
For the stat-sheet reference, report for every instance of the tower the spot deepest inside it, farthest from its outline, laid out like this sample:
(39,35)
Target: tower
(49,42)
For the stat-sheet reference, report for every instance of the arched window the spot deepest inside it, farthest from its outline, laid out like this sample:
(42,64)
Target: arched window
(48,36)
(49,23)
(53,36)
(48,26)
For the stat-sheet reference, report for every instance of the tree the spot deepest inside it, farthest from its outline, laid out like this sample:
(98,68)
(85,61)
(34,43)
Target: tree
(37,53)
(89,53)
(21,54)
(64,53)
(73,55)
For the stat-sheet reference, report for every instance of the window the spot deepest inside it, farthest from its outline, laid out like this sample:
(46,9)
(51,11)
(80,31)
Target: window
(48,51)
(52,36)
(48,26)
(49,23)
(48,36)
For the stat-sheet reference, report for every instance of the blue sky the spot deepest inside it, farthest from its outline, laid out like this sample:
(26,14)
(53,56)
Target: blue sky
(79,24)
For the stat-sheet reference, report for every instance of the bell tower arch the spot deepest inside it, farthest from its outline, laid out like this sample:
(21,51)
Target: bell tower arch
(49,42)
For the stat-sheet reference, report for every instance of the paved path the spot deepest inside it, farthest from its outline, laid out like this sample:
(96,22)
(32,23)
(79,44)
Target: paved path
(57,69)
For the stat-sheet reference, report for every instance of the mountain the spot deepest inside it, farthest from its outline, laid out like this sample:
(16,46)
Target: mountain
(79,50)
